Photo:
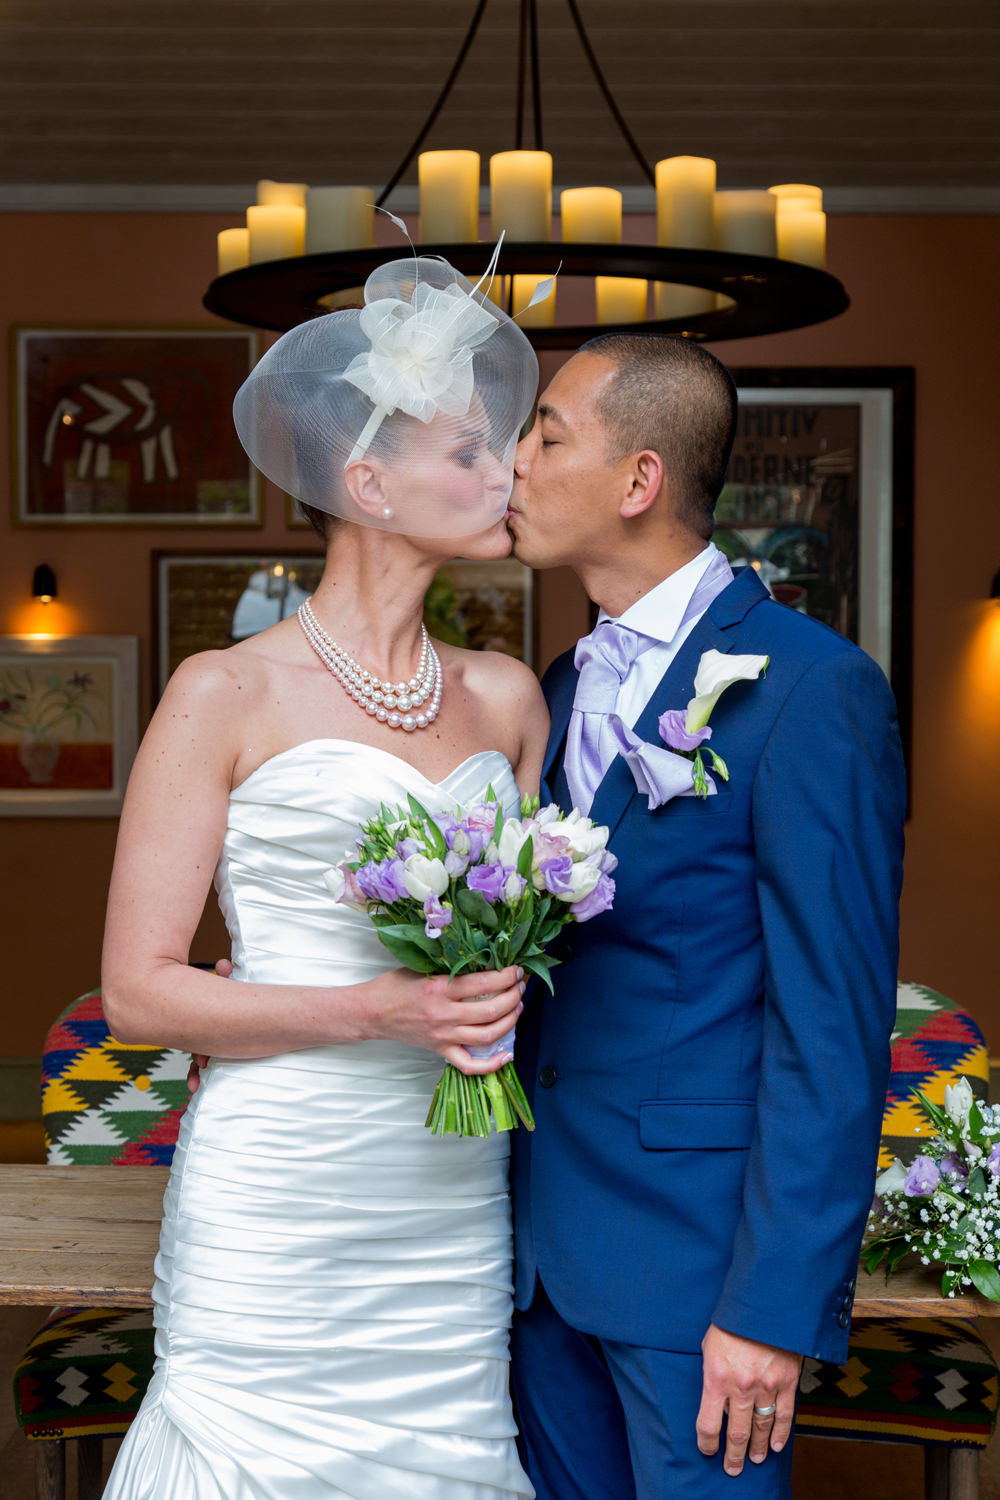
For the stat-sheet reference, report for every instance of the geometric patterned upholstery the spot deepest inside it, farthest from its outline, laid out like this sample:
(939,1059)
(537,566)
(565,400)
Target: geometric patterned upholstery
(934,1043)
(85,1372)
(906,1380)
(912,1380)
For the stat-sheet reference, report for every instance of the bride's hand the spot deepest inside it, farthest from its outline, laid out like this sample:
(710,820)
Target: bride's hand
(443,1014)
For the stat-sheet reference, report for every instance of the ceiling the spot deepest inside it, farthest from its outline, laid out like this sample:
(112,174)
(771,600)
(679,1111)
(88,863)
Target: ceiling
(888,104)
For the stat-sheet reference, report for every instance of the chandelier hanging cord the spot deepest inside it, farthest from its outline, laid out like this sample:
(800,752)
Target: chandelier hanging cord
(609,98)
(437,106)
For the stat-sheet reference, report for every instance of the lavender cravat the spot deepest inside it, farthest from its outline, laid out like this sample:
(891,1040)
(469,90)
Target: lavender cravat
(603,659)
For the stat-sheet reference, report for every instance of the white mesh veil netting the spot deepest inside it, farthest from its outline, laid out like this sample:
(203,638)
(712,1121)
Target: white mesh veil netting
(402,415)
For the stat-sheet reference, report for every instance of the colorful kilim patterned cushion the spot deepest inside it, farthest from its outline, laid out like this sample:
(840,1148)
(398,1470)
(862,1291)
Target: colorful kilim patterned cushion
(921,1380)
(85,1372)
(935,1042)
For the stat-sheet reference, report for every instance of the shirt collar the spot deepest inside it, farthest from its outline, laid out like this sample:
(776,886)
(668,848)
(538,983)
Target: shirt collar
(658,614)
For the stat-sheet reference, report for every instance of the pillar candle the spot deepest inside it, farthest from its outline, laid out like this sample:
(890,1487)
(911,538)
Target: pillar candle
(271,192)
(521,194)
(339,218)
(543,314)
(591,215)
(277,231)
(796,195)
(620,299)
(802,236)
(234,249)
(449,197)
(745,222)
(685,202)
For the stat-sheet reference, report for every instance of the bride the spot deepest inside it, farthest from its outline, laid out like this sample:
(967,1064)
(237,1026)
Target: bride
(333,1284)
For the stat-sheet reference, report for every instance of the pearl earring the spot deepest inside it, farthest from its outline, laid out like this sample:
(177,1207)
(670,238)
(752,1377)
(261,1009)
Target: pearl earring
(387,512)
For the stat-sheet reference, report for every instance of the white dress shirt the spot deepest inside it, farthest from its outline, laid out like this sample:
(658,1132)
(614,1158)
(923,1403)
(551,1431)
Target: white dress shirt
(658,614)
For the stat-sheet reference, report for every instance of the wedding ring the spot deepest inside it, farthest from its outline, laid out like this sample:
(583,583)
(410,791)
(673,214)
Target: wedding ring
(765,1411)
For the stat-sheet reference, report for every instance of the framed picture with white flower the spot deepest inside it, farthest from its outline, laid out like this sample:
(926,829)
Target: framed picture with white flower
(68,724)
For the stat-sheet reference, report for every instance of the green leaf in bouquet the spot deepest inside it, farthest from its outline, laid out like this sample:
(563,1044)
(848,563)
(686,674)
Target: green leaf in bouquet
(985,1278)
(420,815)
(540,966)
(898,1252)
(977,1182)
(524,858)
(406,951)
(518,938)
(474,905)
(498,824)
(490,794)
(977,1125)
(936,1115)
(874,1254)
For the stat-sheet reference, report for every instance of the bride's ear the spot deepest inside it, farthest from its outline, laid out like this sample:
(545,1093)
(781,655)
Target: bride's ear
(366,483)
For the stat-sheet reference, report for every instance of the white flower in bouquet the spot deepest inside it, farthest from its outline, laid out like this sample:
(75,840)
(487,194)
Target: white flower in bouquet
(958,1099)
(425,877)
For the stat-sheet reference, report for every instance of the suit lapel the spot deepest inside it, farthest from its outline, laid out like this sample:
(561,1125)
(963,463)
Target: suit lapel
(560,696)
(676,687)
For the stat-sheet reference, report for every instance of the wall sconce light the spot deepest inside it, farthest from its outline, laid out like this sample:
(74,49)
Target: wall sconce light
(43,587)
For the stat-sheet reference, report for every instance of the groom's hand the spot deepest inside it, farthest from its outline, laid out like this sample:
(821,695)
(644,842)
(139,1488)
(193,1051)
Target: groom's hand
(738,1376)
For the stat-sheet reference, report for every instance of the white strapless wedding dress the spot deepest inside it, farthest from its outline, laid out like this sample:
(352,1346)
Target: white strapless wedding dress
(333,1287)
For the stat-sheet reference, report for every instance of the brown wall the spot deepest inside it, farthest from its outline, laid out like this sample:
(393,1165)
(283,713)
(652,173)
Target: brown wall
(921,290)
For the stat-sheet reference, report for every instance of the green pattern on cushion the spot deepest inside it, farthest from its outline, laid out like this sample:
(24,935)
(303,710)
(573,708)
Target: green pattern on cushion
(84,1373)
(906,1380)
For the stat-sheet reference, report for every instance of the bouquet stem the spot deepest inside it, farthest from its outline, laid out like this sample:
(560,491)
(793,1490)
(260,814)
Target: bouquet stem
(466,1105)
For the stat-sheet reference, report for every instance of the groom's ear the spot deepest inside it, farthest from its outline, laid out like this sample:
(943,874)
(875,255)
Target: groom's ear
(645,480)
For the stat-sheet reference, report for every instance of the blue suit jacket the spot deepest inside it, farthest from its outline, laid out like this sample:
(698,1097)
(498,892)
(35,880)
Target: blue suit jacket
(709,1078)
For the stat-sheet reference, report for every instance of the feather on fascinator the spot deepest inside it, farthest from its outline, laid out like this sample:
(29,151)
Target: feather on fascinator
(427,376)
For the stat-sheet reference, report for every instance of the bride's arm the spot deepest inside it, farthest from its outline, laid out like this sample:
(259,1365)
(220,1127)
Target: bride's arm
(172,828)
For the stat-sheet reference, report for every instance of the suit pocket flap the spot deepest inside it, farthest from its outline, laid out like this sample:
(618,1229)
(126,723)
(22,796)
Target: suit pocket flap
(696,1124)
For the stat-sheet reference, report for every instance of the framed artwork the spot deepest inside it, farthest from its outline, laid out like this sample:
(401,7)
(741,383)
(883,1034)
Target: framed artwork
(204,601)
(131,427)
(68,724)
(819,499)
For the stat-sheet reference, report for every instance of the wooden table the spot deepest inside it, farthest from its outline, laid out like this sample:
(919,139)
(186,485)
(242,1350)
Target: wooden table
(86,1236)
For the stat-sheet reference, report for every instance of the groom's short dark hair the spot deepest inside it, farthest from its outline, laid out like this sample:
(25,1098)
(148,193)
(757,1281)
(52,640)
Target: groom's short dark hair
(672,396)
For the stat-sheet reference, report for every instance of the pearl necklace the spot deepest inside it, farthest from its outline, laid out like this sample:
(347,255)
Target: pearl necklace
(389,702)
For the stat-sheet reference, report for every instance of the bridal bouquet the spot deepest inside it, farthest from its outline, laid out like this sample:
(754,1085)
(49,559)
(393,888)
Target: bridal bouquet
(945,1207)
(469,892)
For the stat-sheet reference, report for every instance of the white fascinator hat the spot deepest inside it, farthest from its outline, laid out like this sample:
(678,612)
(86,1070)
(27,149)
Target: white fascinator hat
(402,415)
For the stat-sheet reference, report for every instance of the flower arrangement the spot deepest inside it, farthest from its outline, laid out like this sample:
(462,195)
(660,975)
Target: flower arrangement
(945,1207)
(470,892)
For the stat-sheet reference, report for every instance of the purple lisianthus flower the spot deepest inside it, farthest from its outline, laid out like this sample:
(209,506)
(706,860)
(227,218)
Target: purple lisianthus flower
(957,1170)
(993,1160)
(382,881)
(922,1179)
(406,847)
(488,880)
(600,899)
(437,916)
(456,864)
(558,875)
(674,734)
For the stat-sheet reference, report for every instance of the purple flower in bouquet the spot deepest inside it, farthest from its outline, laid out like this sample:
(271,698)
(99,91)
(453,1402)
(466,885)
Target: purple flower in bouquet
(456,864)
(437,917)
(600,899)
(923,1178)
(993,1160)
(489,881)
(954,1169)
(382,880)
(558,875)
(406,847)
(674,732)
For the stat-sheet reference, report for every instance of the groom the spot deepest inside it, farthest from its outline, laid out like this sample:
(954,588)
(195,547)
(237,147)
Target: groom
(708,1079)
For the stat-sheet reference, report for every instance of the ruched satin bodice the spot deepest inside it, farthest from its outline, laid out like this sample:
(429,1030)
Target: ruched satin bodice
(333,1288)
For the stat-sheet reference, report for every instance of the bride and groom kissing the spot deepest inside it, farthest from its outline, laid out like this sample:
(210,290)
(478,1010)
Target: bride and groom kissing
(707,1080)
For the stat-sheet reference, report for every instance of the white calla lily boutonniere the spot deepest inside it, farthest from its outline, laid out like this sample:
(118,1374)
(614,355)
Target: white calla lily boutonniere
(685,730)
(679,770)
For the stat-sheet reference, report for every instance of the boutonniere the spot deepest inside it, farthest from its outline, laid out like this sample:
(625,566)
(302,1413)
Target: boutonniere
(679,771)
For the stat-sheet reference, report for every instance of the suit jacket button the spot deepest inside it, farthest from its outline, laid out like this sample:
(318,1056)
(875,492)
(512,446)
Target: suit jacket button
(843,1318)
(851,1284)
(547,1076)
